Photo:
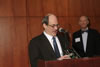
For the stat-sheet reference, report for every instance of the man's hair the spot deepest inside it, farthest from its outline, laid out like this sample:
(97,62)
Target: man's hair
(88,20)
(45,20)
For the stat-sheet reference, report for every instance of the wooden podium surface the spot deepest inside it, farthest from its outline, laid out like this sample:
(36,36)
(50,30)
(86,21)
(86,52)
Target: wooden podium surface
(82,62)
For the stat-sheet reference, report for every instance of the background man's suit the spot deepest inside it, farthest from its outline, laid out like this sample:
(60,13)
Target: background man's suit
(40,48)
(93,43)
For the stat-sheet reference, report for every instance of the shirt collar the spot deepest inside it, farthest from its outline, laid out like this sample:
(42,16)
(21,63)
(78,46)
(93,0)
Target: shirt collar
(47,35)
(84,29)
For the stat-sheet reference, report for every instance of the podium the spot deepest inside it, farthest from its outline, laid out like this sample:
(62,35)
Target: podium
(82,62)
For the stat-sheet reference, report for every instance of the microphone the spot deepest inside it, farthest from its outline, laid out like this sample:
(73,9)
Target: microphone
(62,30)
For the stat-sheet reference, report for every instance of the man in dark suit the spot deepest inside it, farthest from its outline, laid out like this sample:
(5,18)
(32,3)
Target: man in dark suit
(86,41)
(49,45)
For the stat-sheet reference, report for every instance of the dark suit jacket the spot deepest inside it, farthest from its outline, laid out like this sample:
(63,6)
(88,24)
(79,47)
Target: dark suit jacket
(40,48)
(93,43)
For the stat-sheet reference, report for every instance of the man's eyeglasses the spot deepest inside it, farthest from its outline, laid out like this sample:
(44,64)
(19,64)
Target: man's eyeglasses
(54,25)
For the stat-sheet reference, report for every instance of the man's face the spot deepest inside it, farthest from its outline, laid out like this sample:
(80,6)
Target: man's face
(83,22)
(52,26)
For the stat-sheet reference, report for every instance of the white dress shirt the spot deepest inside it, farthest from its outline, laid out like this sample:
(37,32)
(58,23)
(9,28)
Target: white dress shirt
(84,38)
(49,37)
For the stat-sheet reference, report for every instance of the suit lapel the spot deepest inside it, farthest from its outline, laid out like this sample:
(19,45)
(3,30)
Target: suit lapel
(47,45)
(81,45)
(88,40)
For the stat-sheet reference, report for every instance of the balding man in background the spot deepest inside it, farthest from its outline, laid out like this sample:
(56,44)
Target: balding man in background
(86,41)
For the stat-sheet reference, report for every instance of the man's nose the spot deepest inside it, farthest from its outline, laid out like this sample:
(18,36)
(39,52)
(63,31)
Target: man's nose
(56,27)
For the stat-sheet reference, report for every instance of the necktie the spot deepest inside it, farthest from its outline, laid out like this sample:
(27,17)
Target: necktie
(84,31)
(56,48)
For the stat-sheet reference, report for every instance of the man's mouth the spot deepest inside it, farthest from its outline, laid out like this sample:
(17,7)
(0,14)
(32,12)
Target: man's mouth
(55,31)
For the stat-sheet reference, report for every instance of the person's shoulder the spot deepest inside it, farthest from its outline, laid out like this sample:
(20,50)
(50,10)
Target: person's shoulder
(37,37)
(93,30)
(35,40)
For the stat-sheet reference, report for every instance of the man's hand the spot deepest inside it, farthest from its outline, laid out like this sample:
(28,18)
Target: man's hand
(64,57)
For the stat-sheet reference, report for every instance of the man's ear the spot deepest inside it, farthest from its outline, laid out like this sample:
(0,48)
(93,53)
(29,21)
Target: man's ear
(44,26)
(88,21)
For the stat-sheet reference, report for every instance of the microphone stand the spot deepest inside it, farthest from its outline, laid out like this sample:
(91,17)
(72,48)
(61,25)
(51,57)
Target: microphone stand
(72,52)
